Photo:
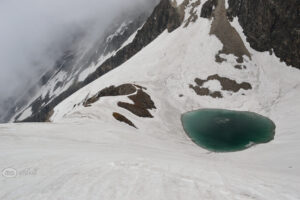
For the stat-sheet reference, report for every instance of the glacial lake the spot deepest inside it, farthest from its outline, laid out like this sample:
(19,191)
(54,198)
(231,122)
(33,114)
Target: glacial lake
(221,130)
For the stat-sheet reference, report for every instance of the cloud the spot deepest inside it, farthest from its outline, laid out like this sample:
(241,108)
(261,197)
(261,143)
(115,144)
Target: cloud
(34,33)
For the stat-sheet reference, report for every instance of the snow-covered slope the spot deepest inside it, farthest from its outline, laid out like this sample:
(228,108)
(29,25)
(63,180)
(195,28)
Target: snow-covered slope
(87,154)
(81,58)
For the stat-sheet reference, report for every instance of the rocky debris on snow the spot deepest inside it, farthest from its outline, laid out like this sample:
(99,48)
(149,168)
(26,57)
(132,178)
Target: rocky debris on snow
(202,91)
(123,119)
(219,59)
(193,13)
(240,67)
(142,101)
(142,104)
(226,84)
(122,90)
(140,87)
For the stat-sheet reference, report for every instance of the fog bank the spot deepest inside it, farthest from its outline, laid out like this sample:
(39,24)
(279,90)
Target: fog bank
(34,34)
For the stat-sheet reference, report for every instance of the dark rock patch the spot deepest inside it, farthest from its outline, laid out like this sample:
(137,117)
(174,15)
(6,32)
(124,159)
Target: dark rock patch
(49,116)
(58,85)
(142,99)
(90,101)
(222,29)
(240,67)
(201,91)
(193,14)
(140,87)
(138,111)
(270,26)
(226,83)
(230,85)
(37,104)
(216,94)
(123,119)
(125,89)
(207,9)
(219,59)
(175,18)
(142,102)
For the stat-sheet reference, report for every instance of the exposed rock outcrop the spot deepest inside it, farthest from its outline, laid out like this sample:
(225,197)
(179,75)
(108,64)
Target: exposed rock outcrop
(165,16)
(193,13)
(270,26)
(142,104)
(202,91)
(207,8)
(122,118)
(222,29)
(125,89)
(226,85)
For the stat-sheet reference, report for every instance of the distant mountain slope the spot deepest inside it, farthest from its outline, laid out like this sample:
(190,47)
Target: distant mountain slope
(80,60)
(164,16)
(77,69)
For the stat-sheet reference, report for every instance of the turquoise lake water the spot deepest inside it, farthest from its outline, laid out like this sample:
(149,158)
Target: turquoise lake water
(227,131)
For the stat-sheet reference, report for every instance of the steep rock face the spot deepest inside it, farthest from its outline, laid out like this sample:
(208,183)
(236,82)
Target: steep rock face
(207,8)
(165,16)
(270,24)
(66,71)
(230,38)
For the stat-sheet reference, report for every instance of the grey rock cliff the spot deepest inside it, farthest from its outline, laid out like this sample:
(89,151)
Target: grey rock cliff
(270,25)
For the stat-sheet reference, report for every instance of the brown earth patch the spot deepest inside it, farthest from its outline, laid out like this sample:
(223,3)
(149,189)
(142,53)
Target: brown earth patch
(222,29)
(122,118)
(142,102)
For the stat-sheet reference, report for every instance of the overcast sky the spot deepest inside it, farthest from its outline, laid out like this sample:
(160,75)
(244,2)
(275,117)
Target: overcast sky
(34,33)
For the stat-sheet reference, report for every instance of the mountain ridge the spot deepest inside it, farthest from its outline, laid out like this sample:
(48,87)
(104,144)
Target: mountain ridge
(169,17)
